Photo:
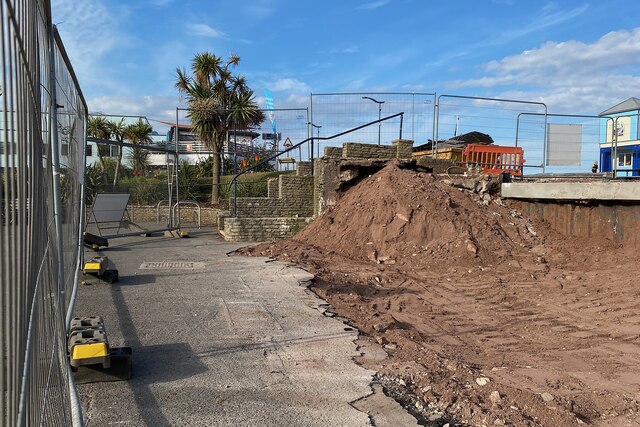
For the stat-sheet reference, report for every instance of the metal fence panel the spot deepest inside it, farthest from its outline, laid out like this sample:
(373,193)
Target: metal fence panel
(292,126)
(337,112)
(573,140)
(499,118)
(43,117)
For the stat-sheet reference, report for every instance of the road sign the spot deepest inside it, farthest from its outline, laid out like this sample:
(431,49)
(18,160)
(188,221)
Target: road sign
(287,143)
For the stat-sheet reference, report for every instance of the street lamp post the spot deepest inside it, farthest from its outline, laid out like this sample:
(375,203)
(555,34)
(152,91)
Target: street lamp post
(317,127)
(379,113)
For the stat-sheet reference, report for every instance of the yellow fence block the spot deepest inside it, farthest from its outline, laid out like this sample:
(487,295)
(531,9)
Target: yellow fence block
(88,351)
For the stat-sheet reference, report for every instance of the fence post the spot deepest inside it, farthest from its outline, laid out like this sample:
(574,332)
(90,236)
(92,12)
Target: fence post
(309,133)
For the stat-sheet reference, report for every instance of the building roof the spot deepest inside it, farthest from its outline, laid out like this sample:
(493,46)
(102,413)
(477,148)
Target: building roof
(180,125)
(631,104)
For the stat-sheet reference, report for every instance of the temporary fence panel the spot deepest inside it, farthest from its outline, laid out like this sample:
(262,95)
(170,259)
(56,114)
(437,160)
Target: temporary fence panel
(43,117)
(494,159)
(336,112)
(573,140)
(498,118)
(247,143)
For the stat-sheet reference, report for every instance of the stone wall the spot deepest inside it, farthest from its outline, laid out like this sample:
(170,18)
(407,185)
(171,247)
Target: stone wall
(341,167)
(303,169)
(399,149)
(332,176)
(352,150)
(188,214)
(272,188)
(264,207)
(293,199)
(332,152)
(288,207)
(296,187)
(260,229)
(404,148)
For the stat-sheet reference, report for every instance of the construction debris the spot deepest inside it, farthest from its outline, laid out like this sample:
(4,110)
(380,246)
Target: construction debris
(477,288)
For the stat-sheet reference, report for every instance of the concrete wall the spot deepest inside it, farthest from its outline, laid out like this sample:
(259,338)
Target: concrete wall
(261,229)
(602,190)
(608,221)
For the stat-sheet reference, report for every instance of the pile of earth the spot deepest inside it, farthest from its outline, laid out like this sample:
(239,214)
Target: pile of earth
(400,216)
(487,316)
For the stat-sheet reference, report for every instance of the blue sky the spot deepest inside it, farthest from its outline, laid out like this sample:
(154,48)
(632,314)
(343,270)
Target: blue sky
(578,57)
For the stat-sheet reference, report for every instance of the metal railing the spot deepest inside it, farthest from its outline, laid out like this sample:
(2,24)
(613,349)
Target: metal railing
(233,182)
(43,115)
(188,203)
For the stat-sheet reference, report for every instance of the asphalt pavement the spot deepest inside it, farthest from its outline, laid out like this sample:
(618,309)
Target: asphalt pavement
(223,340)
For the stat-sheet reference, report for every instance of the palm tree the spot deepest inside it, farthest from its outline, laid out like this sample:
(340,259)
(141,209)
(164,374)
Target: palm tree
(138,134)
(217,100)
(98,127)
(117,130)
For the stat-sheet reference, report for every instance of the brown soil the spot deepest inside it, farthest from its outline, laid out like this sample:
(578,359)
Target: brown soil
(461,289)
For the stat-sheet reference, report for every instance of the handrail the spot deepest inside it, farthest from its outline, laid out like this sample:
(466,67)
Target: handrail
(313,138)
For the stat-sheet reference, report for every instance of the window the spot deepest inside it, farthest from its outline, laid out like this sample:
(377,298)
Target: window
(89,151)
(624,159)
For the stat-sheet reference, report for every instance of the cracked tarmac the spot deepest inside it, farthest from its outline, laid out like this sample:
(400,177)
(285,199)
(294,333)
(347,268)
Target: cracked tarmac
(232,341)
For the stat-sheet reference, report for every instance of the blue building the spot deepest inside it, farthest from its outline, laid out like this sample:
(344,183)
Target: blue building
(620,123)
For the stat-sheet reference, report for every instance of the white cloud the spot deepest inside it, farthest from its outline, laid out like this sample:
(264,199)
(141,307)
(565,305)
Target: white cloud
(549,16)
(572,75)
(289,85)
(153,107)
(373,5)
(346,50)
(89,32)
(205,30)
(260,9)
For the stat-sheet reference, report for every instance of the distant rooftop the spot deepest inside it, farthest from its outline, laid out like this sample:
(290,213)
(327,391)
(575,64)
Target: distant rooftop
(631,104)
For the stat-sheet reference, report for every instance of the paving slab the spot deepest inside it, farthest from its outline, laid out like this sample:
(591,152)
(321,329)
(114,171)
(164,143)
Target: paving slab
(220,341)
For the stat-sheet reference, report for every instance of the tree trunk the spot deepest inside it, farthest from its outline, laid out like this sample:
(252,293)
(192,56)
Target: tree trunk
(215,190)
(117,171)
(100,156)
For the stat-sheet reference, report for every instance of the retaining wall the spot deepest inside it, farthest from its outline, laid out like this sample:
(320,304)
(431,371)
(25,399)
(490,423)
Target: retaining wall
(261,229)
(188,214)
(610,221)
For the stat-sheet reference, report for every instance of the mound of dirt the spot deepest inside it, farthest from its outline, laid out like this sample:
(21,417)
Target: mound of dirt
(488,317)
(406,217)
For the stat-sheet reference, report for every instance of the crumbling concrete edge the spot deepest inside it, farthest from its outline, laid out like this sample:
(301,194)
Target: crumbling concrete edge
(326,310)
